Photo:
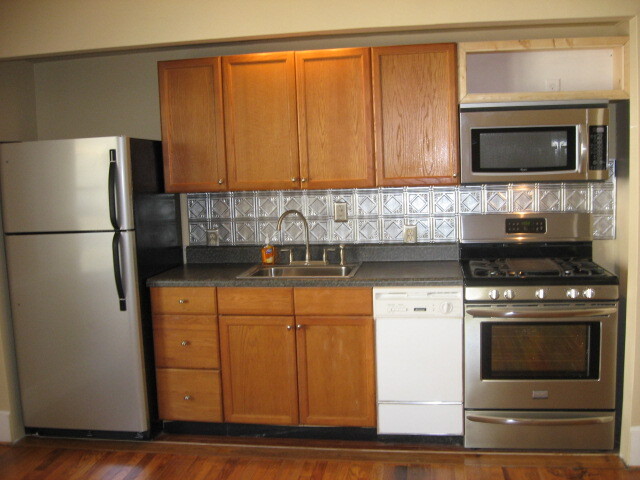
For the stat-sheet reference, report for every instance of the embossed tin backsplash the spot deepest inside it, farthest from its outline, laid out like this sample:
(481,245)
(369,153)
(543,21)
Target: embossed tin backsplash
(378,215)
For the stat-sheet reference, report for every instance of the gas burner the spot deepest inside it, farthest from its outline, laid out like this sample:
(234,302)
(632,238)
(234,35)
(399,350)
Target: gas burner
(580,268)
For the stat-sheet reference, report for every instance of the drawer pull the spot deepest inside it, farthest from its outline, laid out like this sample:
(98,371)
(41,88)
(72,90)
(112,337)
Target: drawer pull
(185,343)
(187,397)
(183,301)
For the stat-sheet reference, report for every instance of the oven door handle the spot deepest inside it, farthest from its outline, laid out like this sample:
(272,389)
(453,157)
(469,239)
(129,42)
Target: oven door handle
(540,422)
(540,313)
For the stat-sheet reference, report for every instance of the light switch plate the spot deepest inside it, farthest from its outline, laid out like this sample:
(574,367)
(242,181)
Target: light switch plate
(340,212)
(410,234)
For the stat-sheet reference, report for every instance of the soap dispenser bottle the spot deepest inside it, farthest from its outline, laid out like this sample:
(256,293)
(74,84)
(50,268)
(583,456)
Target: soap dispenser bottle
(268,253)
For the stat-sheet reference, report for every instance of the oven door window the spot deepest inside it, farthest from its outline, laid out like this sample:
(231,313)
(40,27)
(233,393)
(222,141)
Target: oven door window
(540,350)
(523,149)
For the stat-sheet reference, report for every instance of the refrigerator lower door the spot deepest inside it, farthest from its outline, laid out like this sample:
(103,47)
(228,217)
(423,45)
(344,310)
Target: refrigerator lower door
(79,356)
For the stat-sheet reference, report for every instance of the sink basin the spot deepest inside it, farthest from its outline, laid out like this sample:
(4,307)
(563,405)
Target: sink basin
(300,271)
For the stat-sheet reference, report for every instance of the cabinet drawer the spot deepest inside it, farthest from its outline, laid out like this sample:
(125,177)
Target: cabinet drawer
(255,301)
(193,395)
(333,301)
(182,345)
(179,300)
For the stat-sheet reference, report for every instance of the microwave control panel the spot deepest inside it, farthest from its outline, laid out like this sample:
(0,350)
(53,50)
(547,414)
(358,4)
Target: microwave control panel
(597,147)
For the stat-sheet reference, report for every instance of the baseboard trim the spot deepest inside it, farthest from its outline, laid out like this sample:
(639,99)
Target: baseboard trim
(5,427)
(634,450)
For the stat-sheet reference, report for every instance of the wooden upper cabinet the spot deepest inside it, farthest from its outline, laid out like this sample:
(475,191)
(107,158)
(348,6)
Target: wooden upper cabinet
(260,121)
(335,126)
(192,125)
(415,114)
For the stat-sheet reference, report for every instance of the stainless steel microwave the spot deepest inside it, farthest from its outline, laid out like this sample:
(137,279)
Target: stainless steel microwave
(533,143)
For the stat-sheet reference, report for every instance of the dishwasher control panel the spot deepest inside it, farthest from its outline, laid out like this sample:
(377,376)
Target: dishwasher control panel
(417,302)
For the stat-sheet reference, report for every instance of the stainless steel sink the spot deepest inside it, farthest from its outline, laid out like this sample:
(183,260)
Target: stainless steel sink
(300,271)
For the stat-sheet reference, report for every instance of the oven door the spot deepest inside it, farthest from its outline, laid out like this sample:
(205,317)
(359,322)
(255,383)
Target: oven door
(549,356)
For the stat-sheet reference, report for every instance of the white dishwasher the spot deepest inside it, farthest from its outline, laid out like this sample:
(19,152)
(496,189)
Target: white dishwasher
(419,361)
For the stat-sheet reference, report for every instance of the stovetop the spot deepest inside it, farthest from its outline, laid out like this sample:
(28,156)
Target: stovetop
(504,258)
(536,268)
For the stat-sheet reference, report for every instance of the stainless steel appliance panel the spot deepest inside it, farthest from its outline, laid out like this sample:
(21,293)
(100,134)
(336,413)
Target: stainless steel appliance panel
(562,430)
(558,227)
(79,356)
(512,118)
(63,185)
(533,393)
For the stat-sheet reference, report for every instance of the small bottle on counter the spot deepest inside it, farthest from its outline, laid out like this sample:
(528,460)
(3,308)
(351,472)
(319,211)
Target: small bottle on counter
(268,253)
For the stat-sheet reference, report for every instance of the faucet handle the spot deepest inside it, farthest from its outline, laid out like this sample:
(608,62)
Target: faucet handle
(324,254)
(290,250)
(341,248)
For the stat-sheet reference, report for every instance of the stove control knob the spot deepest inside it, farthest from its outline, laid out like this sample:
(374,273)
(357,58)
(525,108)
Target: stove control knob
(508,294)
(540,293)
(494,294)
(589,293)
(573,293)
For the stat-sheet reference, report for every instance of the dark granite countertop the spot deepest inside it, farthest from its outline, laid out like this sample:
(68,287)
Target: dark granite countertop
(374,274)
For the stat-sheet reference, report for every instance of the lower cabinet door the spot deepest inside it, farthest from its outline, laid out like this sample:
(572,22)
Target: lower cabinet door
(336,370)
(189,394)
(258,359)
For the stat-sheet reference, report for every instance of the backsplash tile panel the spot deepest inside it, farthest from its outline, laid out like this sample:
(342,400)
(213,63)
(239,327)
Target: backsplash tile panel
(378,215)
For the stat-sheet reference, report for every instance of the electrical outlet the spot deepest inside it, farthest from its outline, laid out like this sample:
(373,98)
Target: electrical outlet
(410,234)
(552,84)
(340,212)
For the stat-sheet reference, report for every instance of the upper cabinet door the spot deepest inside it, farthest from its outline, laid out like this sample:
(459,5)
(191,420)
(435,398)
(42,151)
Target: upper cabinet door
(192,125)
(415,111)
(335,118)
(260,121)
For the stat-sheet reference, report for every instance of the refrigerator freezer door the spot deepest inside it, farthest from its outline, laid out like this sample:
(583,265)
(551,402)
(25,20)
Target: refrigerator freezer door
(63,185)
(79,357)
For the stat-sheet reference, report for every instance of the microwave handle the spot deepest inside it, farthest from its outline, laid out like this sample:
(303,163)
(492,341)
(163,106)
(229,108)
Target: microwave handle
(540,313)
(546,422)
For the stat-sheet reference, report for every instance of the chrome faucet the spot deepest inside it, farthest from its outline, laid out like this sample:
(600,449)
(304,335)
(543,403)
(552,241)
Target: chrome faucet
(307,253)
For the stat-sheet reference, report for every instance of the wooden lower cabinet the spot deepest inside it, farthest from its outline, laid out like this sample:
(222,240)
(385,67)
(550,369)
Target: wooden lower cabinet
(189,394)
(259,369)
(335,371)
(298,369)
(186,349)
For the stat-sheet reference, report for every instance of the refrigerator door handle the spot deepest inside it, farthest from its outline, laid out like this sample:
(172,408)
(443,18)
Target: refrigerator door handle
(113,168)
(115,245)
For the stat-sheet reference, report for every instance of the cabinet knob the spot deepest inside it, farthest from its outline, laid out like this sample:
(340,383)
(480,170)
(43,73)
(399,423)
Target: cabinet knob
(303,179)
(220,181)
(185,343)
(455,175)
(294,179)
(183,300)
(187,397)
(289,327)
(298,326)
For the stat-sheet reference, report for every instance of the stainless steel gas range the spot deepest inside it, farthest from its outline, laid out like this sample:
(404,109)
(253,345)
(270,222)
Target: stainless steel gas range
(540,330)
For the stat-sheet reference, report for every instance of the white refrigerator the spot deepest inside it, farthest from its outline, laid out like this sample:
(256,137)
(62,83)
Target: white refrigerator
(85,223)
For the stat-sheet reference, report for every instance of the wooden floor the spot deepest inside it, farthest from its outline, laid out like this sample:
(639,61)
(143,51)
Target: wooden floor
(200,458)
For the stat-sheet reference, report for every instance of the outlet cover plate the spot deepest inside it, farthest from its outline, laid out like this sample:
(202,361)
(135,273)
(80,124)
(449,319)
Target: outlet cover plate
(410,234)
(340,212)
